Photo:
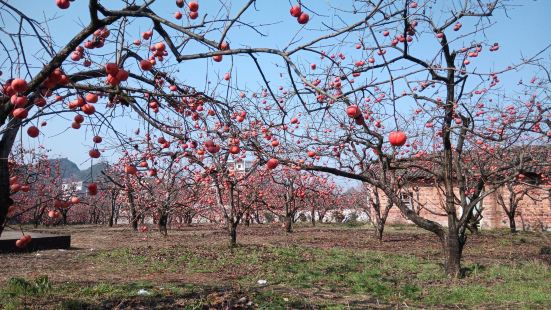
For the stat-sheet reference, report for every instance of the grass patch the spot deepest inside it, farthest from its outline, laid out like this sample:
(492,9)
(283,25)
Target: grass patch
(342,272)
(526,285)
(16,289)
(21,287)
(20,293)
(297,276)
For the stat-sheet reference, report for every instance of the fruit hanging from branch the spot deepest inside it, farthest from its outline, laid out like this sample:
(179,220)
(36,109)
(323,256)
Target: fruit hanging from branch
(353,111)
(295,10)
(397,138)
(303,18)
(23,241)
(33,131)
(272,163)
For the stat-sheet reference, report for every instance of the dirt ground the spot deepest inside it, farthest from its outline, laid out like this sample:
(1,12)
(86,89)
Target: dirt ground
(80,263)
(87,240)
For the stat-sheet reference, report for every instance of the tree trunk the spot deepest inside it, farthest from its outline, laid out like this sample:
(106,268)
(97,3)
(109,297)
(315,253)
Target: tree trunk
(379,224)
(453,250)
(321,216)
(379,229)
(133,215)
(472,226)
(378,213)
(64,216)
(5,147)
(163,219)
(93,216)
(38,213)
(233,235)
(5,200)
(133,218)
(112,215)
(38,216)
(313,215)
(289,223)
(512,222)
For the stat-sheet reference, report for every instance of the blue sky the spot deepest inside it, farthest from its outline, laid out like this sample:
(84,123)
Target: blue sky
(521,33)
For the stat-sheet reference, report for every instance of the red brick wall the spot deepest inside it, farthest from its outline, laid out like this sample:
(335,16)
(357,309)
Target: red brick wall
(534,211)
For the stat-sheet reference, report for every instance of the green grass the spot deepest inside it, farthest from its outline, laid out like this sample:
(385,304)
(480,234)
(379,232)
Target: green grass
(17,288)
(297,276)
(390,278)
(527,284)
(18,293)
(20,287)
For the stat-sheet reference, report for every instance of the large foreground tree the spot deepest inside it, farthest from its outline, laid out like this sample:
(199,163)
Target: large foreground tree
(353,83)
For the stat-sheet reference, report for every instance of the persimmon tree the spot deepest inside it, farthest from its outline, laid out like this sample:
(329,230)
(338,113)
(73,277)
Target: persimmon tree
(378,210)
(323,195)
(372,91)
(73,77)
(529,184)
(32,184)
(385,110)
(111,70)
(288,192)
(36,185)
(292,192)
(112,194)
(234,193)
(165,186)
(122,188)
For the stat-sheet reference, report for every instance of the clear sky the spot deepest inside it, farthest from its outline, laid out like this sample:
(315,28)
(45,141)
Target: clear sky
(522,32)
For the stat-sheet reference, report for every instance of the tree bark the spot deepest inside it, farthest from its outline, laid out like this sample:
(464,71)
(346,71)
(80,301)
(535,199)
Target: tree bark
(379,229)
(257,217)
(188,218)
(112,215)
(163,220)
(233,235)
(39,213)
(133,214)
(378,213)
(289,223)
(5,200)
(453,250)
(133,218)
(512,221)
(473,227)
(64,216)
(321,216)
(6,144)
(511,205)
(247,219)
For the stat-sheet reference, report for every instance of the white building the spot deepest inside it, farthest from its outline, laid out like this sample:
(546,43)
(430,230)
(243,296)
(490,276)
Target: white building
(73,188)
(240,165)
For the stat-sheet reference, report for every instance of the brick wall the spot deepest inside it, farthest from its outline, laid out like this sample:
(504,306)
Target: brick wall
(534,211)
